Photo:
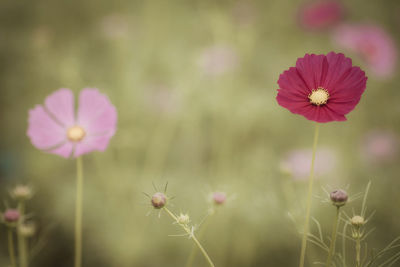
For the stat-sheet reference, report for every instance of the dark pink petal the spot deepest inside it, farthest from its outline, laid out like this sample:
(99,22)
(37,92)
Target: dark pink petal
(291,83)
(322,114)
(350,88)
(61,105)
(312,69)
(64,150)
(291,103)
(339,68)
(92,143)
(43,131)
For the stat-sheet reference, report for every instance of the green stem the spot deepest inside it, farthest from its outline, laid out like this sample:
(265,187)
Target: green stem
(191,234)
(309,199)
(358,250)
(193,251)
(22,248)
(11,247)
(78,213)
(333,239)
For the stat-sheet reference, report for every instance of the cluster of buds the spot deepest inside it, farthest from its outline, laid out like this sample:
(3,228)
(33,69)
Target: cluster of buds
(339,198)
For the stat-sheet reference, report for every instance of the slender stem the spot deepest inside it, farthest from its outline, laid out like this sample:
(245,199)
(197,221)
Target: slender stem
(22,249)
(333,239)
(11,247)
(78,213)
(193,251)
(344,244)
(191,234)
(358,250)
(309,198)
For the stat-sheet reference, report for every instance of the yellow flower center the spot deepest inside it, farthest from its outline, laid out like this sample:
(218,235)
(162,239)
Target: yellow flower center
(76,133)
(319,96)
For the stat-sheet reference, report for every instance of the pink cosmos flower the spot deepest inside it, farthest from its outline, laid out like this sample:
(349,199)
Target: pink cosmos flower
(380,146)
(55,128)
(321,14)
(297,162)
(321,88)
(373,43)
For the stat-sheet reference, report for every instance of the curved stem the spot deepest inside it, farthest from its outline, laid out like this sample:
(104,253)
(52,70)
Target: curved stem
(78,213)
(22,249)
(309,198)
(11,247)
(333,239)
(191,234)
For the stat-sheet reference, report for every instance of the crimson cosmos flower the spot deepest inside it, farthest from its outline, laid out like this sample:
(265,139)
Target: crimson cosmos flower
(322,88)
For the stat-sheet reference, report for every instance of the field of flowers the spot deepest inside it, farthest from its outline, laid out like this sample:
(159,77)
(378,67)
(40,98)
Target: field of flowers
(199,133)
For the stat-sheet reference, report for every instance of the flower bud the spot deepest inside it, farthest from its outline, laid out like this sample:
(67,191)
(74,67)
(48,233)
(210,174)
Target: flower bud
(357,221)
(22,192)
(219,198)
(339,197)
(11,216)
(183,219)
(158,200)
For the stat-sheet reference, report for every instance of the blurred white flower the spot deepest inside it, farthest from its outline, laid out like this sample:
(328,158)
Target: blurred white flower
(297,162)
(218,59)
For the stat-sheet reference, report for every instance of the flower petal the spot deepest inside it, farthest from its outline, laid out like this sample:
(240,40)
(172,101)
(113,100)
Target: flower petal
(291,81)
(64,150)
(92,143)
(44,132)
(60,104)
(96,114)
(313,69)
(350,87)
(322,114)
(339,69)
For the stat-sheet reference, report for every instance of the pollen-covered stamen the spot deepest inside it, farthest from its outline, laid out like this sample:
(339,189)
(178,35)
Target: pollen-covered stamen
(76,133)
(319,96)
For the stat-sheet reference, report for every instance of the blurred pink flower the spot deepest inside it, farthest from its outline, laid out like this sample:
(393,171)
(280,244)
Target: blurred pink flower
(380,146)
(323,14)
(373,43)
(219,198)
(297,162)
(54,127)
(218,59)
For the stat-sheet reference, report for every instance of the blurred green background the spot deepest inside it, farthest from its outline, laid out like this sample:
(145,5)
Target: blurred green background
(194,83)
